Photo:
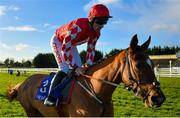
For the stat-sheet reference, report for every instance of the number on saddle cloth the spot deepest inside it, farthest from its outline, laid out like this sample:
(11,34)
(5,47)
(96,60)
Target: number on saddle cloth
(43,89)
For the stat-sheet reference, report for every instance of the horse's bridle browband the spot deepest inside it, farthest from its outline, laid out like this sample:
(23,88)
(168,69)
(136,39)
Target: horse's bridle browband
(155,83)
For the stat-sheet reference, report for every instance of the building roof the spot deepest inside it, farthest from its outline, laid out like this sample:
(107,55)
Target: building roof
(163,56)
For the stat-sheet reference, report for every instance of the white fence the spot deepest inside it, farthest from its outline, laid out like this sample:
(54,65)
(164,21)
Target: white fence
(28,70)
(160,72)
(167,72)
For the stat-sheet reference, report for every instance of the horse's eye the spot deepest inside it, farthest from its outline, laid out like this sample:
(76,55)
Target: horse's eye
(138,65)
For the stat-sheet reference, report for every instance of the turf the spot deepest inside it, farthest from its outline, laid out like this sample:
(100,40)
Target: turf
(125,103)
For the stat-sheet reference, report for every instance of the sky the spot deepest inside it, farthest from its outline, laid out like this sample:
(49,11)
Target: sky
(26,26)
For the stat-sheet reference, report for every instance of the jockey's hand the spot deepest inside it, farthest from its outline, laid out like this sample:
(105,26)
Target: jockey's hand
(85,66)
(80,71)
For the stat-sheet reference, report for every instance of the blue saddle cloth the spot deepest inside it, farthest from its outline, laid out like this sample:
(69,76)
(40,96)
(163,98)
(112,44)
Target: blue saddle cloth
(62,91)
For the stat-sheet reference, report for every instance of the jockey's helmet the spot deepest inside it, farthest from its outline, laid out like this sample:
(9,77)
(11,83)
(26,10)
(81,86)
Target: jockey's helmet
(99,10)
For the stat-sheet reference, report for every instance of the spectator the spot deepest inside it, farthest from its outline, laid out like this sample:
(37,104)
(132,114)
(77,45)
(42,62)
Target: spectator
(18,73)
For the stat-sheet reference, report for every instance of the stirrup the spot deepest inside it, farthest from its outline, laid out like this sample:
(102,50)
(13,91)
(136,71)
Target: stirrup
(47,102)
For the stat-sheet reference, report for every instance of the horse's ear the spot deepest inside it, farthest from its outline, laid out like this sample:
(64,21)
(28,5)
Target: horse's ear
(134,42)
(145,45)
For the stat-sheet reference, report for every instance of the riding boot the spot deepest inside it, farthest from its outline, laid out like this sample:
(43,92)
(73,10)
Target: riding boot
(51,101)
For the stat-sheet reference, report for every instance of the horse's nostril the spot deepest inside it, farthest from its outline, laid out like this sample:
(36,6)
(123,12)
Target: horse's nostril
(154,99)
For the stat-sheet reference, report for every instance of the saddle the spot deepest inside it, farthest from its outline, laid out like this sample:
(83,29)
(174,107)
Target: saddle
(62,91)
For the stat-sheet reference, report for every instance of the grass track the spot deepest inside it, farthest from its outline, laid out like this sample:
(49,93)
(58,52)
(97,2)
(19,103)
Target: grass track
(125,103)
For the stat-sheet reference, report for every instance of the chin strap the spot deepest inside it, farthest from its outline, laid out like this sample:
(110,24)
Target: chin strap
(91,23)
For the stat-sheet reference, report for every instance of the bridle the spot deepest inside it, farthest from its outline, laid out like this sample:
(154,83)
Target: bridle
(131,85)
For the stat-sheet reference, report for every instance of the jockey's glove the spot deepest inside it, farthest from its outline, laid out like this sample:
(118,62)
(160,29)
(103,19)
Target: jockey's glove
(80,71)
(85,66)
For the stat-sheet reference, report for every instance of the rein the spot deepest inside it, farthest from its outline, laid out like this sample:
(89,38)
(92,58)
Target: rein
(92,93)
(104,81)
(89,92)
(129,87)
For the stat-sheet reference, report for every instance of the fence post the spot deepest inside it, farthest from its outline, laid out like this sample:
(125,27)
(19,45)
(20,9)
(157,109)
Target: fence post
(170,68)
(156,70)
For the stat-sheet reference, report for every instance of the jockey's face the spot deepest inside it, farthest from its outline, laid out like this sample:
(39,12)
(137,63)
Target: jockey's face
(99,23)
(97,27)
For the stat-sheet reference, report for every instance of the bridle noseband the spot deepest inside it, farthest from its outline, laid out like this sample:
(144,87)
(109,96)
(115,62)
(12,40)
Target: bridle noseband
(133,81)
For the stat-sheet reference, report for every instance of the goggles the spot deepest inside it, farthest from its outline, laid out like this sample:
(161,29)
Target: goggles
(101,21)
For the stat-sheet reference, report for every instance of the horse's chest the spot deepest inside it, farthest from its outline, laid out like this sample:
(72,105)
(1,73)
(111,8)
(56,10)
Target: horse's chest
(90,111)
(86,110)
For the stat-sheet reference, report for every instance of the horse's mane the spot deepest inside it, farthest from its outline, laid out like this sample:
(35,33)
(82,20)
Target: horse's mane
(108,56)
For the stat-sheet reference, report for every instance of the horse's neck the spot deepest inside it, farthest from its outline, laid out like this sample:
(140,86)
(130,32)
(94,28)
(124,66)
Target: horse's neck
(109,71)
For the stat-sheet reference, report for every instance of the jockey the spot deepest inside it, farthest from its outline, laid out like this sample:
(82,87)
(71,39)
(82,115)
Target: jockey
(68,36)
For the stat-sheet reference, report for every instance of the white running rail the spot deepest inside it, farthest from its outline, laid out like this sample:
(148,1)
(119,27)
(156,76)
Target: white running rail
(167,72)
(160,72)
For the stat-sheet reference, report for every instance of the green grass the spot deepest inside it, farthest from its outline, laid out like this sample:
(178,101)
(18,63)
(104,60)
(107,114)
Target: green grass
(9,109)
(125,103)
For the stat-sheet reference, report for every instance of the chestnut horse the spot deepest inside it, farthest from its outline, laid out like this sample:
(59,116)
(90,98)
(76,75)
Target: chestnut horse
(92,94)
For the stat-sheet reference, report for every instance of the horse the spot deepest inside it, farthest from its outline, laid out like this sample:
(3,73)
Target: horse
(92,93)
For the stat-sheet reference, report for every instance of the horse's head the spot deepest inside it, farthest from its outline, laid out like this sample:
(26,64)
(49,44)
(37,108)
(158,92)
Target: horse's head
(138,74)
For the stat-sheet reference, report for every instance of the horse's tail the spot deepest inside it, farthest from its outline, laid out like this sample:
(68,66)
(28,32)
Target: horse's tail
(12,92)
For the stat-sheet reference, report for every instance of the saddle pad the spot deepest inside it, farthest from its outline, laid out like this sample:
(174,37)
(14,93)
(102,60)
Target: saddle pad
(43,89)
(62,92)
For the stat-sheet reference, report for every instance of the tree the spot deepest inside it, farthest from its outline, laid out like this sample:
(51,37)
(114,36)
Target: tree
(6,62)
(11,62)
(113,51)
(1,63)
(27,64)
(98,56)
(158,50)
(83,56)
(44,61)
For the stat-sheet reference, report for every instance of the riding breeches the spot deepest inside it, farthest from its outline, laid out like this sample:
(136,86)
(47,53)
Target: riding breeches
(56,46)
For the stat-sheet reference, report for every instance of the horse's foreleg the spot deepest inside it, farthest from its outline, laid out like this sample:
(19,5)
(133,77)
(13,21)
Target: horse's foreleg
(108,110)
